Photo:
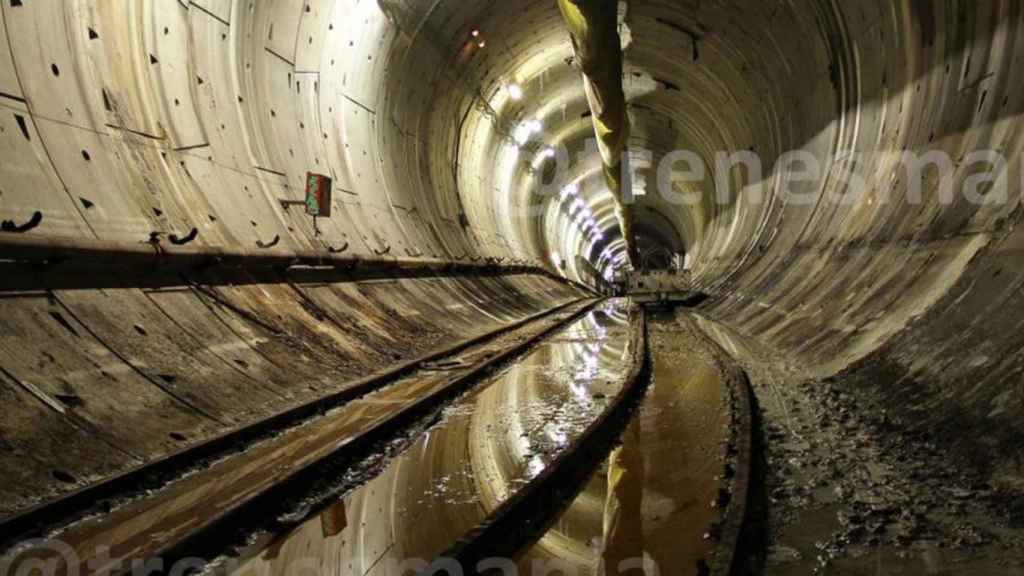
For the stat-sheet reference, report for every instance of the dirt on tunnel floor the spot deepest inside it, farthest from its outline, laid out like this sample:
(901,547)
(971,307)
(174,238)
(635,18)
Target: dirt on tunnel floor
(850,491)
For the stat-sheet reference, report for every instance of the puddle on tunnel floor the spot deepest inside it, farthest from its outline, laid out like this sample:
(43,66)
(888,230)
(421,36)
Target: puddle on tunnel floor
(489,443)
(651,501)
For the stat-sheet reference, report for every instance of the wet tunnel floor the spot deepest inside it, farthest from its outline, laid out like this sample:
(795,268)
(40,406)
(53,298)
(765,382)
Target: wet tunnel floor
(488,443)
(649,502)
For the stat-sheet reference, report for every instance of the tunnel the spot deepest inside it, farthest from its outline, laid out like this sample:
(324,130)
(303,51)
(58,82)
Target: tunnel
(526,287)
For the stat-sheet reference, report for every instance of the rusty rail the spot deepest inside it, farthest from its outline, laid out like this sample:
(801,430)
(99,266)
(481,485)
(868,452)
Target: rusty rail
(70,508)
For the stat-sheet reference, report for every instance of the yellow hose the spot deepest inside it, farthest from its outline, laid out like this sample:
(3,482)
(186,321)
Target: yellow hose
(593,26)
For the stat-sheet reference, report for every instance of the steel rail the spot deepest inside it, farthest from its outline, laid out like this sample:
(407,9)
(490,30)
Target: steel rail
(68,508)
(524,516)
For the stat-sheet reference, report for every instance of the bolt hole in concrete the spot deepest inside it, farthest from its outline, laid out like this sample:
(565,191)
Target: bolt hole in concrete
(23,126)
(178,437)
(70,400)
(64,477)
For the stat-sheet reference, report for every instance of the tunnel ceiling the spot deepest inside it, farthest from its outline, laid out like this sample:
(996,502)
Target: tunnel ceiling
(121,119)
(207,115)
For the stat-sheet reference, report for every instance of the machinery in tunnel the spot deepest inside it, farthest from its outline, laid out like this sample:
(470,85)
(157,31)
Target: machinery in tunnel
(414,286)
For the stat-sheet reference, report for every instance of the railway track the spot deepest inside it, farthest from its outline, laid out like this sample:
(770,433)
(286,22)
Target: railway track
(491,451)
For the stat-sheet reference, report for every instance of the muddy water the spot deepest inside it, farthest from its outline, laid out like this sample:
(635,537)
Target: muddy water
(650,503)
(488,444)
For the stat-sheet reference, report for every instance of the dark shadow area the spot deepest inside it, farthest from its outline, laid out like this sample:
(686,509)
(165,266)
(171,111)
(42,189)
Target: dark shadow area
(752,545)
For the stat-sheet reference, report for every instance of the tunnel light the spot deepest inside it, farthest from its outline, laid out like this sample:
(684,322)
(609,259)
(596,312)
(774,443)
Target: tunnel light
(526,130)
(475,33)
(544,155)
(482,44)
(514,91)
(521,134)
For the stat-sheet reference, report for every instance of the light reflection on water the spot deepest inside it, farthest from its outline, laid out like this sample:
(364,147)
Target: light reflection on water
(487,445)
(650,501)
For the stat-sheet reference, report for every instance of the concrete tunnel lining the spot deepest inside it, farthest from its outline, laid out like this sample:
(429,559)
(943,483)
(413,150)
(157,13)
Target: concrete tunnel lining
(118,120)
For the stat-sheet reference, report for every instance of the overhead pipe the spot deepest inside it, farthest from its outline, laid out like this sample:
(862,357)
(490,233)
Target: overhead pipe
(92,256)
(594,28)
(108,254)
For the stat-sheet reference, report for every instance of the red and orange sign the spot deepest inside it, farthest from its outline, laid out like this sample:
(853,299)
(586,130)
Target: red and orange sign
(318,195)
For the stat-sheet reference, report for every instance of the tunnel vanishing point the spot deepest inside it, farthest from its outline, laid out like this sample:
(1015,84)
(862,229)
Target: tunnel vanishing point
(390,287)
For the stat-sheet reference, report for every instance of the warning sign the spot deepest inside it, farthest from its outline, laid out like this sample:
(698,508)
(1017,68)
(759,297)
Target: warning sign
(318,195)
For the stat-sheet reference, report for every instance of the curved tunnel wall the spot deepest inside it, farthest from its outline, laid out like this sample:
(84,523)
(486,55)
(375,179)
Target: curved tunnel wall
(163,116)
(123,119)
(911,299)
(120,120)
(98,382)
